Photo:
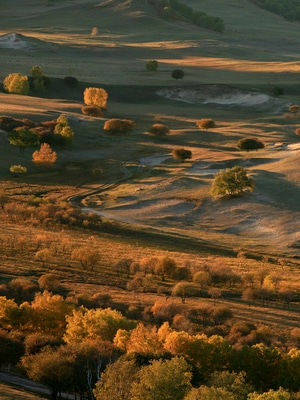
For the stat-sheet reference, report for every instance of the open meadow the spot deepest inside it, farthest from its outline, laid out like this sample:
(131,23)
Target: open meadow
(151,204)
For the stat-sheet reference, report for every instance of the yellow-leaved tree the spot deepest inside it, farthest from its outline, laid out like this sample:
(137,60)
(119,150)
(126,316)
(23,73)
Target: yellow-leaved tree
(95,97)
(45,157)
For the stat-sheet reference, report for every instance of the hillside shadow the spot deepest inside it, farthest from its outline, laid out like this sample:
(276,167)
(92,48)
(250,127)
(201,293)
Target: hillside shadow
(283,194)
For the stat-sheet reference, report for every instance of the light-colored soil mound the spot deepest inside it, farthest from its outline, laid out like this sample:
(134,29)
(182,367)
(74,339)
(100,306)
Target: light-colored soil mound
(221,95)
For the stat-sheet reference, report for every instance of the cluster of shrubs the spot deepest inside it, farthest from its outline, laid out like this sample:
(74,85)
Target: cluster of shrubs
(39,211)
(53,132)
(173,8)
(289,9)
(17,83)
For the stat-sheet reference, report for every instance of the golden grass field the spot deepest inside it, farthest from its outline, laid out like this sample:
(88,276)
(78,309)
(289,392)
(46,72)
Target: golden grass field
(228,77)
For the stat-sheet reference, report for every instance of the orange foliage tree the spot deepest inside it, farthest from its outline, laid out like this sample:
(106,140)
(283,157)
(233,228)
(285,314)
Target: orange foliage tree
(45,157)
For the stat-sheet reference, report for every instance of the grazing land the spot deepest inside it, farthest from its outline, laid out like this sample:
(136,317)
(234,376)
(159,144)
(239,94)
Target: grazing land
(152,205)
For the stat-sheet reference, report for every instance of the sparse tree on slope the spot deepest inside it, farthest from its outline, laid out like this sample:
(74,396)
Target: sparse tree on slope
(232,182)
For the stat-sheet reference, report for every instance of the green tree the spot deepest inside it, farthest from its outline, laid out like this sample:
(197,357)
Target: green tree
(151,65)
(163,380)
(177,74)
(23,138)
(231,182)
(116,381)
(250,144)
(16,83)
(95,97)
(36,72)
(182,154)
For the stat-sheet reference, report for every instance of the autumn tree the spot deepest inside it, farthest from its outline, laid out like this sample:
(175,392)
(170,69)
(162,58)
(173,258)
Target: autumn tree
(209,393)
(182,154)
(87,257)
(165,267)
(156,381)
(231,182)
(11,348)
(280,394)
(37,79)
(51,367)
(23,138)
(16,83)
(95,97)
(117,125)
(116,380)
(45,157)
(95,323)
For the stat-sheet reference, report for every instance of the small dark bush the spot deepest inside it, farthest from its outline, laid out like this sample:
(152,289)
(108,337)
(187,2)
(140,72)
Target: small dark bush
(92,111)
(177,74)
(278,91)
(250,144)
(70,81)
(116,125)
(206,123)
(152,65)
(159,129)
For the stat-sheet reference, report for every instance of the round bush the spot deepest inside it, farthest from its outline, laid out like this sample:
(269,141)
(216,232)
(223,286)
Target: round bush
(297,131)
(92,111)
(177,74)
(250,144)
(206,123)
(159,129)
(116,125)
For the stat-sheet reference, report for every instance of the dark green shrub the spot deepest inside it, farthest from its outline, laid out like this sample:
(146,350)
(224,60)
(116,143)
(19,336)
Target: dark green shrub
(177,74)
(206,123)
(152,65)
(70,81)
(92,111)
(116,125)
(278,91)
(250,144)
(159,129)
(182,154)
